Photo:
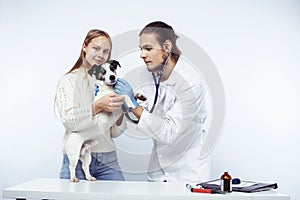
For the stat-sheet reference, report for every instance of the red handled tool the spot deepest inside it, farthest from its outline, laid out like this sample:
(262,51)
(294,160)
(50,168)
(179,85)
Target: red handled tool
(203,190)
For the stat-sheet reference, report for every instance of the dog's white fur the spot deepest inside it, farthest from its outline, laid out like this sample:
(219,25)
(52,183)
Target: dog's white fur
(74,146)
(108,86)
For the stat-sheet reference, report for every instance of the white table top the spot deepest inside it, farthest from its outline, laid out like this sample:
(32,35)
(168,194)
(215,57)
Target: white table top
(44,188)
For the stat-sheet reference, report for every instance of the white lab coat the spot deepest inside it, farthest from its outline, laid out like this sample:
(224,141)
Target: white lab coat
(177,126)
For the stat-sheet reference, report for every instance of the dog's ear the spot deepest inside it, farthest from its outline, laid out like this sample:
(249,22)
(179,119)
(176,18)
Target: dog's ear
(117,63)
(93,70)
(100,72)
(114,64)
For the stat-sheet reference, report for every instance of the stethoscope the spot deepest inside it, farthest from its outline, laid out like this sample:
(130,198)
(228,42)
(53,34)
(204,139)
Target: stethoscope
(157,81)
(157,84)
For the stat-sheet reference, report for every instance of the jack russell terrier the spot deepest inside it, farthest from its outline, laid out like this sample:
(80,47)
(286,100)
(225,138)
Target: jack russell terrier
(105,79)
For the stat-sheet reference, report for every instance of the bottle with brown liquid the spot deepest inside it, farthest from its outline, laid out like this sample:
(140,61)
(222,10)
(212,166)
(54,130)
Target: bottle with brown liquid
(226,182)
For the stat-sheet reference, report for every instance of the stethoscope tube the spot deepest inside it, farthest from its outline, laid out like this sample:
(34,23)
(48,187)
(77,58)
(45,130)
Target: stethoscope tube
(157,83)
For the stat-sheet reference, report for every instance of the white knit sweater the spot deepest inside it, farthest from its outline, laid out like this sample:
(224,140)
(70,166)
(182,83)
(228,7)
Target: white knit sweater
(74,98)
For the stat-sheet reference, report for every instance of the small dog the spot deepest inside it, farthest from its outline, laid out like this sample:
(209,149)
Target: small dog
(105,75)
(106,78)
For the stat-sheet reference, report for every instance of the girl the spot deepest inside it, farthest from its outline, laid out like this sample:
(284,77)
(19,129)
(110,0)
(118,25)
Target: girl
(78,111)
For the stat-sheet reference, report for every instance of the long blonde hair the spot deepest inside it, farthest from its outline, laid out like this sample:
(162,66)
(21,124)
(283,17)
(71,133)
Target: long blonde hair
(90,35)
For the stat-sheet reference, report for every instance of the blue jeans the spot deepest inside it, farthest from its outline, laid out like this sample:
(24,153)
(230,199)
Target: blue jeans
(104,166)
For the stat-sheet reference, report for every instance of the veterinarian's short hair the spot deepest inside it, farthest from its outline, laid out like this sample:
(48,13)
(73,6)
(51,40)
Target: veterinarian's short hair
(163,32)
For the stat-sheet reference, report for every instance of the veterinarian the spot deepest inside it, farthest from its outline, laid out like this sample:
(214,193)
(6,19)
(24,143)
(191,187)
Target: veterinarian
(175,111)
(77,109)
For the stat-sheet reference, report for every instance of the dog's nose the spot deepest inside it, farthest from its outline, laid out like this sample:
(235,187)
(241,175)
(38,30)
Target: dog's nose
(112,77)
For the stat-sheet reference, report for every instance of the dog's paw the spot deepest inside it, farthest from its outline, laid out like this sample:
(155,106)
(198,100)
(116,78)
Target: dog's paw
(91,178)
(74,180)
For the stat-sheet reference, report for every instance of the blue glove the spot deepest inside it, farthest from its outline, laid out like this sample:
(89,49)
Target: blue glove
(122,87)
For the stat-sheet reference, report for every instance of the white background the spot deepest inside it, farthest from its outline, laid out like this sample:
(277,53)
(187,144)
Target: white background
(255,46)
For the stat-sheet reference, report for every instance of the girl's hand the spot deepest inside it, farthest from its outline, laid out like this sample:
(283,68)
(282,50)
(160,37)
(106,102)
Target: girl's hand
(108,103)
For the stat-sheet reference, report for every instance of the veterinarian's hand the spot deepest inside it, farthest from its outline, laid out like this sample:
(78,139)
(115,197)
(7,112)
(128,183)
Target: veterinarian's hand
(122,87)
(108,103)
